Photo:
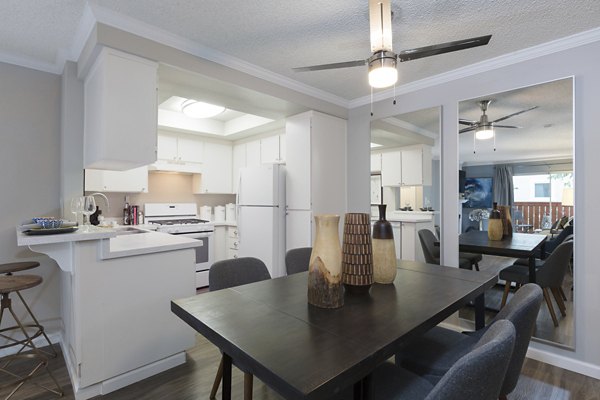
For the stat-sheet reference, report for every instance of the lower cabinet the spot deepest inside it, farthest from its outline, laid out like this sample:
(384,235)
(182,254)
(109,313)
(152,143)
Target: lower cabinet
(411,245)
(232,242)
(225,242)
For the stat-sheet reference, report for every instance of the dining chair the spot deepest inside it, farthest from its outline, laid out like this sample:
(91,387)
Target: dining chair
(473,258)
(432,252)
(297,260)
(549,275)
(478,374)
(437,350)
(229,273)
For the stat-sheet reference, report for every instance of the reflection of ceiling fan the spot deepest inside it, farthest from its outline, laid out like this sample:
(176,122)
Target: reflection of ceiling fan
(484,129)
(382,64)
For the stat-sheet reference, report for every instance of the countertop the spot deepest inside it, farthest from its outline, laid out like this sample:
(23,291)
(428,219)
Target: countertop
(224,223)
(408,216)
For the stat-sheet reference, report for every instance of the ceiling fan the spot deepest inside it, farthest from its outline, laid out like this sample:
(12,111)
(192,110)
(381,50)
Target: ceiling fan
(484,129)
(382,64)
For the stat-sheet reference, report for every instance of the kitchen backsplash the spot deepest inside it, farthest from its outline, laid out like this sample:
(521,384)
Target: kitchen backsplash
(163,188)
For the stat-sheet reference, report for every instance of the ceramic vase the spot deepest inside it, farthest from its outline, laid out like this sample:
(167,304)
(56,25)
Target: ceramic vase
(384,250)
(506,221)
(357,253)
(325,289)
(495,228)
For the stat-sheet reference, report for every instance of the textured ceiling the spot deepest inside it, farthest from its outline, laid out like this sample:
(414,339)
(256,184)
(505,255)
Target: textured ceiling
(279,35)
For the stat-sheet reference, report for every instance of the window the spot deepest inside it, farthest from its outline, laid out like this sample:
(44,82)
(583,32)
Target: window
(542,190)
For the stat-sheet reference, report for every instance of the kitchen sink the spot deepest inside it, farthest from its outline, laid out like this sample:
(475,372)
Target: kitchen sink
(129,231)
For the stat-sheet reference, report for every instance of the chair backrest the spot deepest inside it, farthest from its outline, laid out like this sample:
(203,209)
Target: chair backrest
(522,312)
(430,251)
(479,373)
(297,260)
(552,273)
(235,272)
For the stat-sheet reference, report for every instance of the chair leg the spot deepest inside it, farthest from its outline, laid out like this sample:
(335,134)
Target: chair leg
(248,380)
(476,266)
(502,397)
(562,293)
(505,295)
(217,381)
(559,301)
(550,307)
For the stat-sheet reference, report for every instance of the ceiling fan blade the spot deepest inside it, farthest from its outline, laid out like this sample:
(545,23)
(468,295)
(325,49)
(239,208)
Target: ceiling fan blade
(507,126)
(472,128)
(466,122)
(427,51)
(380,22)
(513,114)
(346,64)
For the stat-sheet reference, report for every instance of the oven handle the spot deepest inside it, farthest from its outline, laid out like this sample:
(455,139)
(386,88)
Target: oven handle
(195,235)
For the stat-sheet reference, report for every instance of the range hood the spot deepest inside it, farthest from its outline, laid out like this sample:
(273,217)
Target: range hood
(186,168)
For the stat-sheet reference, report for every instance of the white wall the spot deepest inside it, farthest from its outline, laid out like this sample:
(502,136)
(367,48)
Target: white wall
(30,175)
(582,62)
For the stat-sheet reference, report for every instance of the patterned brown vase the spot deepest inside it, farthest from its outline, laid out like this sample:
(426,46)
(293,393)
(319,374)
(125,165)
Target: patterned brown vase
(325,288)
(357,253)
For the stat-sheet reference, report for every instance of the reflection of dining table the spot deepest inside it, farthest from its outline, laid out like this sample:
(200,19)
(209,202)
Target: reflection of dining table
(305,352)
(520,245)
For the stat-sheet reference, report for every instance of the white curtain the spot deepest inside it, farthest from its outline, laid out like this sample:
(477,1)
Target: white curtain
(504,193)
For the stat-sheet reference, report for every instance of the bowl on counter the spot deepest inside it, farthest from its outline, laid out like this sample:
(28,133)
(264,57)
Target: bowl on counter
(48,223)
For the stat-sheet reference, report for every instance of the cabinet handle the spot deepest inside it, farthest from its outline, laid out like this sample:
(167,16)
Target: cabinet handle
(235,256)
(235,232)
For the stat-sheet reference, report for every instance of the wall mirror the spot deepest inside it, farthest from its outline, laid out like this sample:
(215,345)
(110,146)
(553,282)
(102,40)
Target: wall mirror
(516,149)
(405,163)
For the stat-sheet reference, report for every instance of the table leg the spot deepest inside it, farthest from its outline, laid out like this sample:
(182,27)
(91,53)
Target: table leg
(532,268)
(480,311)
(363,389)
(226,394)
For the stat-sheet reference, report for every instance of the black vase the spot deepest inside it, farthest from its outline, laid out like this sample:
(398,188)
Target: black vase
(382,229)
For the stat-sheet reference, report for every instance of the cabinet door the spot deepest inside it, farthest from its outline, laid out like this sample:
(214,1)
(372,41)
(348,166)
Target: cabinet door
(190,150)
(376,162)
(412,167)
(269,150)
(239,161)
(130,181)
(220,243)
(253,153)
(216,170)
(397,230)
(409,241)
(391,173)
(298,226)
(282,148)
(167,147)
(298,169)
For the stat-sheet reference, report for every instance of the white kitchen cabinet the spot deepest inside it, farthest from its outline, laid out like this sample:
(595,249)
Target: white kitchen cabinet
(180,149)
(253,153)
(233,242)
(131,181)
(269,150)
(411,245)
(397,231)
(216,170)
(375,162)
(239,161)
(282,148)
(120,111)
(315,171)
(220,243)
(410,166)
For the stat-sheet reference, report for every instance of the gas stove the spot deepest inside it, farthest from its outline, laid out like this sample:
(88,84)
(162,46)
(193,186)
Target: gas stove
(176,218)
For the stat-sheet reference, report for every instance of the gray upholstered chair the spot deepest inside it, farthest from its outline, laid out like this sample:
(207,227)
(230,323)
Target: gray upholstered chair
(478,374)
(229,273)
(297,260)
(437,350)
(549,275)
(432,252)
(473,258)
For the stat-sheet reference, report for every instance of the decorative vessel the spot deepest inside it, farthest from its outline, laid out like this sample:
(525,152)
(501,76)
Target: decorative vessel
(495,228)
(384,250)
(357,253)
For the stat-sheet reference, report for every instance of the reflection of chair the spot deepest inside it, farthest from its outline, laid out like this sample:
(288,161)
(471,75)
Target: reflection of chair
(472,257)
(478,374)
(432,252)
(433,354)
(229,273)
(297,260)
(549,275)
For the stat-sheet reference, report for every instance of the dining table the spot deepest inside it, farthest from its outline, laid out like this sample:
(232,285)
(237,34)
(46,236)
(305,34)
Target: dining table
(305,352)
(519,245)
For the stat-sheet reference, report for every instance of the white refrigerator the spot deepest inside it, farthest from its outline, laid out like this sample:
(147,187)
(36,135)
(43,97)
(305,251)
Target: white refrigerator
(261,215)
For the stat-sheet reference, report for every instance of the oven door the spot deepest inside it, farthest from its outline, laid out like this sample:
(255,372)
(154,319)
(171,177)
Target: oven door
(204,255)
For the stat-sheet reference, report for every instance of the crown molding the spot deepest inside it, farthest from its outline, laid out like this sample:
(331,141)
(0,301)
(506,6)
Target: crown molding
(136,27)
(566,43)
(31,63)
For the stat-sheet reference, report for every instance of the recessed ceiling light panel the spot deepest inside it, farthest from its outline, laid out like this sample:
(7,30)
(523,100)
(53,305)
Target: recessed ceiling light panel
(199,109)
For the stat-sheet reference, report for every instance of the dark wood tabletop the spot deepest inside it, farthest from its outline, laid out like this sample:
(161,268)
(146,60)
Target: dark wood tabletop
(304,352)
(520,245)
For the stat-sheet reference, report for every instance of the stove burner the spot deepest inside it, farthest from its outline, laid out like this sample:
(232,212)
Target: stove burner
(186,221)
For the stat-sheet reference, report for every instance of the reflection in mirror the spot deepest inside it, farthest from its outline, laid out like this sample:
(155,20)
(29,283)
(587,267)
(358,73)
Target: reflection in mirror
(516,149)
(405,175)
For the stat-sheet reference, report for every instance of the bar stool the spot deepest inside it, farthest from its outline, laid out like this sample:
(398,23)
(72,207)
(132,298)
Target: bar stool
(16,283)
(8,269)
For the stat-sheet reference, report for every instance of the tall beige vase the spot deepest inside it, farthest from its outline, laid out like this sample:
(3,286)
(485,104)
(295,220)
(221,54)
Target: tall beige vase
(384,249)
(325,287)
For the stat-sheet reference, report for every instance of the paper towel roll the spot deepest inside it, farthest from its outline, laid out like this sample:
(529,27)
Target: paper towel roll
(206,213)
(219,213)
(230,212)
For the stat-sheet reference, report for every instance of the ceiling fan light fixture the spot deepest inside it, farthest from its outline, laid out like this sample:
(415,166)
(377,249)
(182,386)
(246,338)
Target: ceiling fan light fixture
(484,133)
(382,70)
(199,109)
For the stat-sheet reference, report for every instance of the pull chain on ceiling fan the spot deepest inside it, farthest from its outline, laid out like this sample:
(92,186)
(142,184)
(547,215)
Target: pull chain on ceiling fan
(383,62)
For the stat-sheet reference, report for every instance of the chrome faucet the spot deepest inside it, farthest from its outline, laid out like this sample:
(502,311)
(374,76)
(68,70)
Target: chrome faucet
(105,199)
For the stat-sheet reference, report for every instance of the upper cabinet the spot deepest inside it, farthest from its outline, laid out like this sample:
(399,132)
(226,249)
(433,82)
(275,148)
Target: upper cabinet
(409,166)
(269,150)
(131,181)
(180,149)
(120,102)
(216,170)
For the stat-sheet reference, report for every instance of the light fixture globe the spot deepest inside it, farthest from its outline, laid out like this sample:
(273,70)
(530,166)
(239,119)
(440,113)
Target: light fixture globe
(484,133)
(199,109)
(382,69)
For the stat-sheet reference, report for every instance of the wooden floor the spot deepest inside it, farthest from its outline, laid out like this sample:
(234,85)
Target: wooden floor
(193,381)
